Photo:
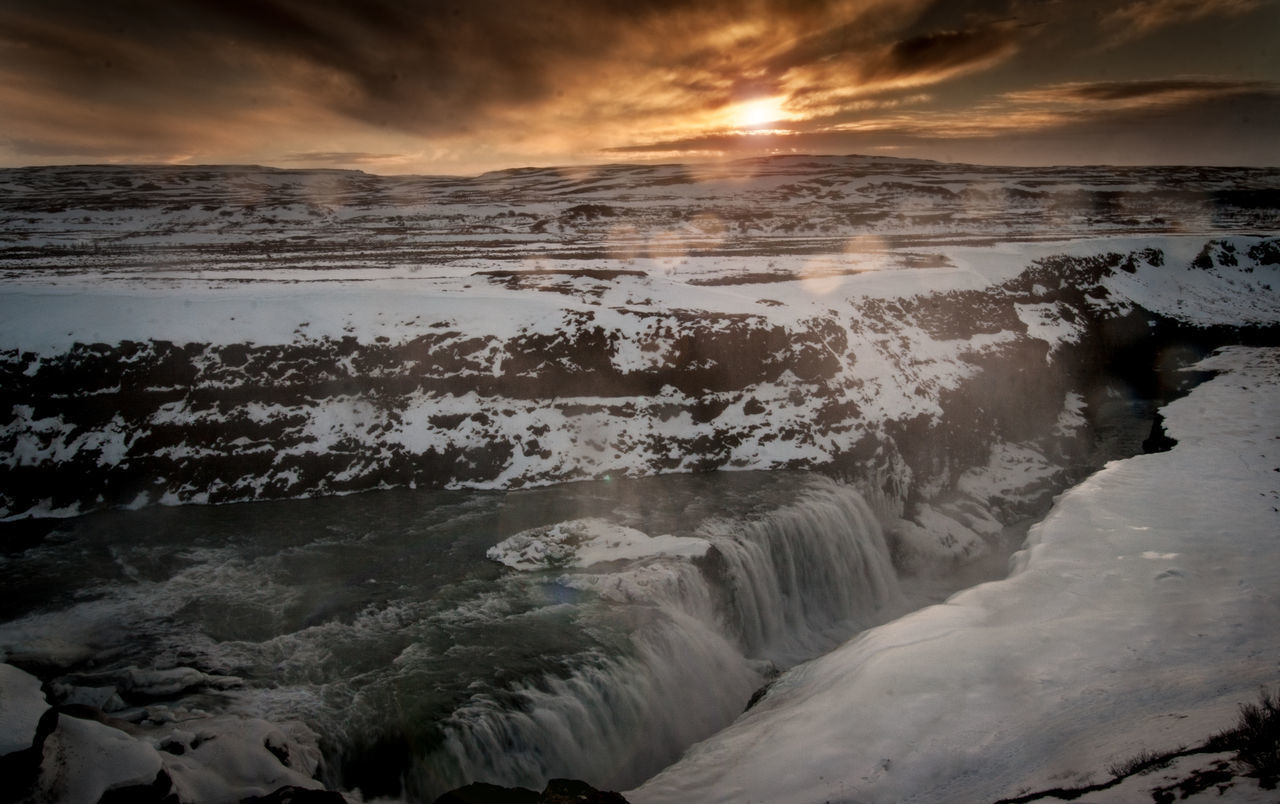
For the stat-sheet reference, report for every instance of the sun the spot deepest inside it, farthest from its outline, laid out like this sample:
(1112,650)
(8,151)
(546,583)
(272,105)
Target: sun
(757,113)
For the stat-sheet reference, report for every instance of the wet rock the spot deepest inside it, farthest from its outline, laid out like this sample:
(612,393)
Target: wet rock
(1159,440)
(573,791)
(297,795)
(484,793)
(557,791)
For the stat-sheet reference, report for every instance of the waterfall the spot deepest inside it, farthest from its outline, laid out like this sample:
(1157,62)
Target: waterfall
(802,577)
(772,589)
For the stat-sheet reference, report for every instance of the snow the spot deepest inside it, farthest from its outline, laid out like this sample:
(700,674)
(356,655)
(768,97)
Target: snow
(587,542)
(1141,787)
(93,759)
(228,758)
(933,533)
(21,706)
(46,315)
(1011,470)
(1141,613)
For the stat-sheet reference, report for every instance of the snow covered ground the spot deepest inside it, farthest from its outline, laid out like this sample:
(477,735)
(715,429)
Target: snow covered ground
(1142,611)
(218,334)
(944,337)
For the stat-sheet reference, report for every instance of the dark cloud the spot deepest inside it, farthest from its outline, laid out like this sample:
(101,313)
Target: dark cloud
(346,82)
(421,65)
(943,52)
(1135,90)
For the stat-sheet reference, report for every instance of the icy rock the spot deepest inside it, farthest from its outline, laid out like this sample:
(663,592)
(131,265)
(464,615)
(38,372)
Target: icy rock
(587,542)
(230,758)
(934,536)
(84,759)
(22,704)
(166,683)
(105,698)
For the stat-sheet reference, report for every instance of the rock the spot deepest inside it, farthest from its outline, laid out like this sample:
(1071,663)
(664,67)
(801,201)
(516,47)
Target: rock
(483,793)
(557,791)
(297,795)
(105,698)
(573,791)
(160,791)
(1158,440)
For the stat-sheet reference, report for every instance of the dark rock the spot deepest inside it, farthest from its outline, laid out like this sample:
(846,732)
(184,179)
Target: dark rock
(758,695)
(557,791)
(160,791)
(20,770)
(573,791)
(1159,440)
(484,793)
(291,794)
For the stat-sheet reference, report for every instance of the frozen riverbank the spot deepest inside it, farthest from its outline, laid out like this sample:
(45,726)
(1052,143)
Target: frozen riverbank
(1143,611)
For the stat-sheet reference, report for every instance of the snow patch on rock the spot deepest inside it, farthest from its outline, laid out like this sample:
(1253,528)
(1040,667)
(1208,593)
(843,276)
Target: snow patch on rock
(587,542)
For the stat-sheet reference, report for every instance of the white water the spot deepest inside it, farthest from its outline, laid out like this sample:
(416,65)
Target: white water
(378,621)
(770,592)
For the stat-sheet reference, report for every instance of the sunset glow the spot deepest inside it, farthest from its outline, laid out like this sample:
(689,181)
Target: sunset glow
(407,87)
(758,113)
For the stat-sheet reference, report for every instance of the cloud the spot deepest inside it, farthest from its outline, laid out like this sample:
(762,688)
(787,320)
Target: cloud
(836,85)
(1144,16)
(1137,93)
(345,158)
(496,82)
(930,58)
(540,74)
(1219,122)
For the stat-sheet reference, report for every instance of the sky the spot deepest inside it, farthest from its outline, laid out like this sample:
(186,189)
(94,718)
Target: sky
(443,87)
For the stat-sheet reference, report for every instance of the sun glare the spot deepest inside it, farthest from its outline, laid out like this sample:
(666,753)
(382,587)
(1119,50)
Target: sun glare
(757,113)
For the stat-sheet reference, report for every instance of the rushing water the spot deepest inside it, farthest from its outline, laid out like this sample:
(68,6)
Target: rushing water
(379,620)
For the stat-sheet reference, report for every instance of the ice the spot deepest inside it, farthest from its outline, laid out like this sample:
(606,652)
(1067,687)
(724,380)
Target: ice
(587,542)
(1142,612)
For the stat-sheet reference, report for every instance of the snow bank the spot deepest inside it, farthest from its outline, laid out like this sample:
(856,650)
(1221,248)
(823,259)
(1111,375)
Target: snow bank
(1143,610)
(22,704)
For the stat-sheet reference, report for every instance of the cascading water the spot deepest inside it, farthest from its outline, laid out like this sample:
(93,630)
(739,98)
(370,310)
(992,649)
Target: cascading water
(764,593)
(639,617)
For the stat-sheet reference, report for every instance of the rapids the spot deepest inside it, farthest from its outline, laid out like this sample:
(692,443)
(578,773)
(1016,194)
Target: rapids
(388,623)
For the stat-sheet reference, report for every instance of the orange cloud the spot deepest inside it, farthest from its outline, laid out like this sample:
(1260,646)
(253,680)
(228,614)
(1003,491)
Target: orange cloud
(1143,16)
